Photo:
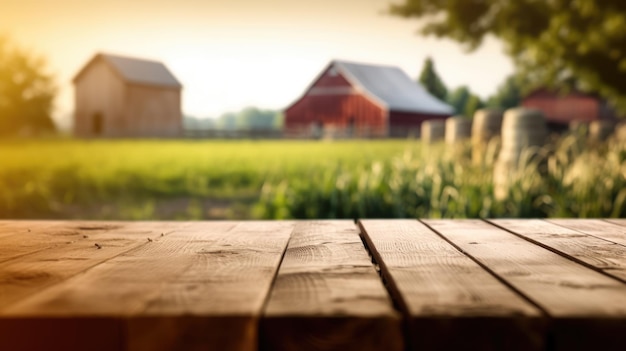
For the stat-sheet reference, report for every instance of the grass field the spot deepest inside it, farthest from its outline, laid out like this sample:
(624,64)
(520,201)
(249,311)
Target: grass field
(169,179)
(137,179)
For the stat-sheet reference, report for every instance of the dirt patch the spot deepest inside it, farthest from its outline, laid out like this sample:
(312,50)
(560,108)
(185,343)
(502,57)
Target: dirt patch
(182,208)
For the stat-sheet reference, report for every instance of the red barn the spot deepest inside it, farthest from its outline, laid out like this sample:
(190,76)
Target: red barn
(364,100)
(561,109)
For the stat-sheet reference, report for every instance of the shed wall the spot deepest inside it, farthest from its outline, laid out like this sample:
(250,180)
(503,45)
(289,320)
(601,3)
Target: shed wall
(337,111)
(565,109)
(152,112)
(332,103)
(99,92)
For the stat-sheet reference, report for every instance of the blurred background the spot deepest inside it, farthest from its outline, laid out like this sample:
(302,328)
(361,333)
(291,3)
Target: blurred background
(279,109)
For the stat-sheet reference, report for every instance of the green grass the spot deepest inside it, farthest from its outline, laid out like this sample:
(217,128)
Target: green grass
(132,179)
(174,179)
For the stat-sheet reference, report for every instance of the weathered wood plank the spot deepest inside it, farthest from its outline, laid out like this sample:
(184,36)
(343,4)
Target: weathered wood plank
(577,297)
(599,254)
(18,238)
(328,296)
(450,301)
(199,287)
(11,226)
(618,221)
(68,249)
(602,229)
(21,238)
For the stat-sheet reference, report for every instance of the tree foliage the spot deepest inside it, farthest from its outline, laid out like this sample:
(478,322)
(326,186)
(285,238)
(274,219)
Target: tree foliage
(473,103)
(431,80)
(458,98)
(508,95)
(464,101)
(250,118)
(254,118)
(548,40)
(26,92)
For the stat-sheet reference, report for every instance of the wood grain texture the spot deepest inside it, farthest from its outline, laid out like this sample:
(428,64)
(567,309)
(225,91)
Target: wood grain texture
(607,230)
(618,221)
(67,249)
(200,287)
(449,300)
(576,297)
(600,254)
(328,296)
(18,238)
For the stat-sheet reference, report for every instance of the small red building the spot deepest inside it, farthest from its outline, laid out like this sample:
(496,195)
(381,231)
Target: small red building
(364,100)
(561,109)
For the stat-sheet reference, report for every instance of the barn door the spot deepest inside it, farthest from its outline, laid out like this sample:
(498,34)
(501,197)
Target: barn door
(96,124)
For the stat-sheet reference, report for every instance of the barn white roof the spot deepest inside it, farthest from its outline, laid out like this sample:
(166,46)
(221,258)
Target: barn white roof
(135,70)
(392,87)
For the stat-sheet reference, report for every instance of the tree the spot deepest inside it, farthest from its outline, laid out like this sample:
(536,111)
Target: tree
(508,95)
(458,98)
(549,41)
(250,118)
(464,101)
(26,92)
(227,121)
(473,103)
(254,118)
(431,81)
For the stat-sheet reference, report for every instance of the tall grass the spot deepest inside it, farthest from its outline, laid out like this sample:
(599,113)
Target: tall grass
(567,178)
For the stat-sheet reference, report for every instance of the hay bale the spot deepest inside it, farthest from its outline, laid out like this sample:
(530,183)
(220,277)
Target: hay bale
(485,126)
(432,130)
(620,131)
(600,130)
(458,128)
(521,128)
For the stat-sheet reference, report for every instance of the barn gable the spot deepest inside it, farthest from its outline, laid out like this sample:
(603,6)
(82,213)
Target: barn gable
(366,100)
(134,70)
(393,87)
(387,86)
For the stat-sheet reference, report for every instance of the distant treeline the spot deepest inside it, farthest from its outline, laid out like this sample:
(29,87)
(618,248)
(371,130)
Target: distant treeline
(465,102)
(249,118)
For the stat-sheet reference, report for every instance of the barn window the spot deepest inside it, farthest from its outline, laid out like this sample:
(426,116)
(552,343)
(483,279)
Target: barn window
(332,71)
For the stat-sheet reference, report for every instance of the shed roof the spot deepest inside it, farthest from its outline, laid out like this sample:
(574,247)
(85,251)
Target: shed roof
(392,87)
(135,70)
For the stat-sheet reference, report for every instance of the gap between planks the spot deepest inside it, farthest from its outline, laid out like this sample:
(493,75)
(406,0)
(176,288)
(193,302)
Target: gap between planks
(328,296)
(448,300)
(609,229)
(566,238)
(587,308)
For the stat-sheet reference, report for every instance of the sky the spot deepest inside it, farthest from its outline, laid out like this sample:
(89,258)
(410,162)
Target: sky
(230,54)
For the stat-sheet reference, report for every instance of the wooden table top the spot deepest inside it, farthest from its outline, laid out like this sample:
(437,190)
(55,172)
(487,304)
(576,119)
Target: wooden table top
(313,285)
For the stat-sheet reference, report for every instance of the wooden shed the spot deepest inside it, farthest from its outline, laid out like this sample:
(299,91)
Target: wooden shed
(561,109)
(365,100)
(126,97)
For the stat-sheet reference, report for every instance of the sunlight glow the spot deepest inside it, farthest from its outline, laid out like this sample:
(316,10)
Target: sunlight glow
(229,55)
